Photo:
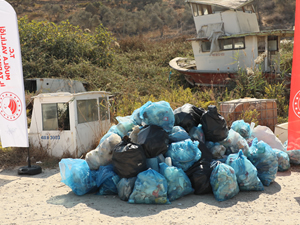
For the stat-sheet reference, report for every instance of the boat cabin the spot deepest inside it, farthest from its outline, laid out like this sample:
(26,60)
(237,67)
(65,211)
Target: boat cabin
(69,123)
(228,39)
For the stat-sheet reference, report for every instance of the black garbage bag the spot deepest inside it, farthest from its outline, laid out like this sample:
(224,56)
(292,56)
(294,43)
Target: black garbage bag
(199,173)
(128,158)
(154,140)
(188,116)
(214,125)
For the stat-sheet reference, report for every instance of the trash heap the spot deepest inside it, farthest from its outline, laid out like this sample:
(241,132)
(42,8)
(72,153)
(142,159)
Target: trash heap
(157,155)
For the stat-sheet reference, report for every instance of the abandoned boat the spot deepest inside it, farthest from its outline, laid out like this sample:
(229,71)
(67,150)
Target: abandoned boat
(228,39)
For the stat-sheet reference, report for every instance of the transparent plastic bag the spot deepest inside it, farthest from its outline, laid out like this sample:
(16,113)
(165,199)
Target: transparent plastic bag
(178,182)
(197,134)
(184,153)
(178,134)
(125,188)
(158,113)
(150,188)
(217,150)
(243,128)
(283,160)
(265,160)
(245,172)
(223,181)
(234,142)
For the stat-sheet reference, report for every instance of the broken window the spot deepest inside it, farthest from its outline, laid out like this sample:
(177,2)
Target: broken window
(87,110)
(104,113)
(199,10)
(55,116)
(205,46)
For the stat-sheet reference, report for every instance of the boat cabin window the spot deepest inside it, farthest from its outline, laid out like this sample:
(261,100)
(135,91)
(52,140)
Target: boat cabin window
(199,10)
(205,46)
(261,44)
(232,43)
(225,44)
(272,43)
(103,109)
(87,110)
(55,116)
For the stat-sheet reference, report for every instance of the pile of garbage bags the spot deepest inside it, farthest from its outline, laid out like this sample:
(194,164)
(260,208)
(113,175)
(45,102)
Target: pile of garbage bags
(158,155)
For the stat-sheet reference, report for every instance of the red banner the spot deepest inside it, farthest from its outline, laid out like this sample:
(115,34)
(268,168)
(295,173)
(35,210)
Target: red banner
(294,105)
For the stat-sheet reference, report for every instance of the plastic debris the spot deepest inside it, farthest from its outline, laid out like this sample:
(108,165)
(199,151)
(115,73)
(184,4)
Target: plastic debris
(76,174)
(158,113)
(245,172)
(197,134)
(125,188)
(234,142)
(265,160)
(150,188)
(128,159)
(283,160)
(102,155)
(214,125)
(178,134)
(188,116)
(184,153)
(242,128)
(223,181)
(178,182)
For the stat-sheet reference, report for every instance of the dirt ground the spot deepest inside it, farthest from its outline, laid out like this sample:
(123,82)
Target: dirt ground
(44,199)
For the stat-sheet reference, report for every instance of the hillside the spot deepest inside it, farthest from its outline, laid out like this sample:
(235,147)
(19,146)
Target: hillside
(150,18)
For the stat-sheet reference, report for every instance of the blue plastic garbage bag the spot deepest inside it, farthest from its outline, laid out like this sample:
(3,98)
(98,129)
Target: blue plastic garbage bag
(125,187)
(197,134)
(184,153)
(234,142)
(76,174)
(223,181)
(150,188)
(179,184)
(106,180)
(245,172)
(265,160)
(158,113)
(135,116)
(178,134)
(242,128)
(283,160)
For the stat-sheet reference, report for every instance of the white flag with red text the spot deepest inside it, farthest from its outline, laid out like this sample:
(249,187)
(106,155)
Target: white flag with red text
(13,120)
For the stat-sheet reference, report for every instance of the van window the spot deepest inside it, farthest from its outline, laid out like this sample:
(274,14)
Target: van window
(55,116)
(87,110)
(104,113)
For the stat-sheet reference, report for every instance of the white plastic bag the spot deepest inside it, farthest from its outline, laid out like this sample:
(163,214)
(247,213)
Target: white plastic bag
(102,155)
(264,133)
